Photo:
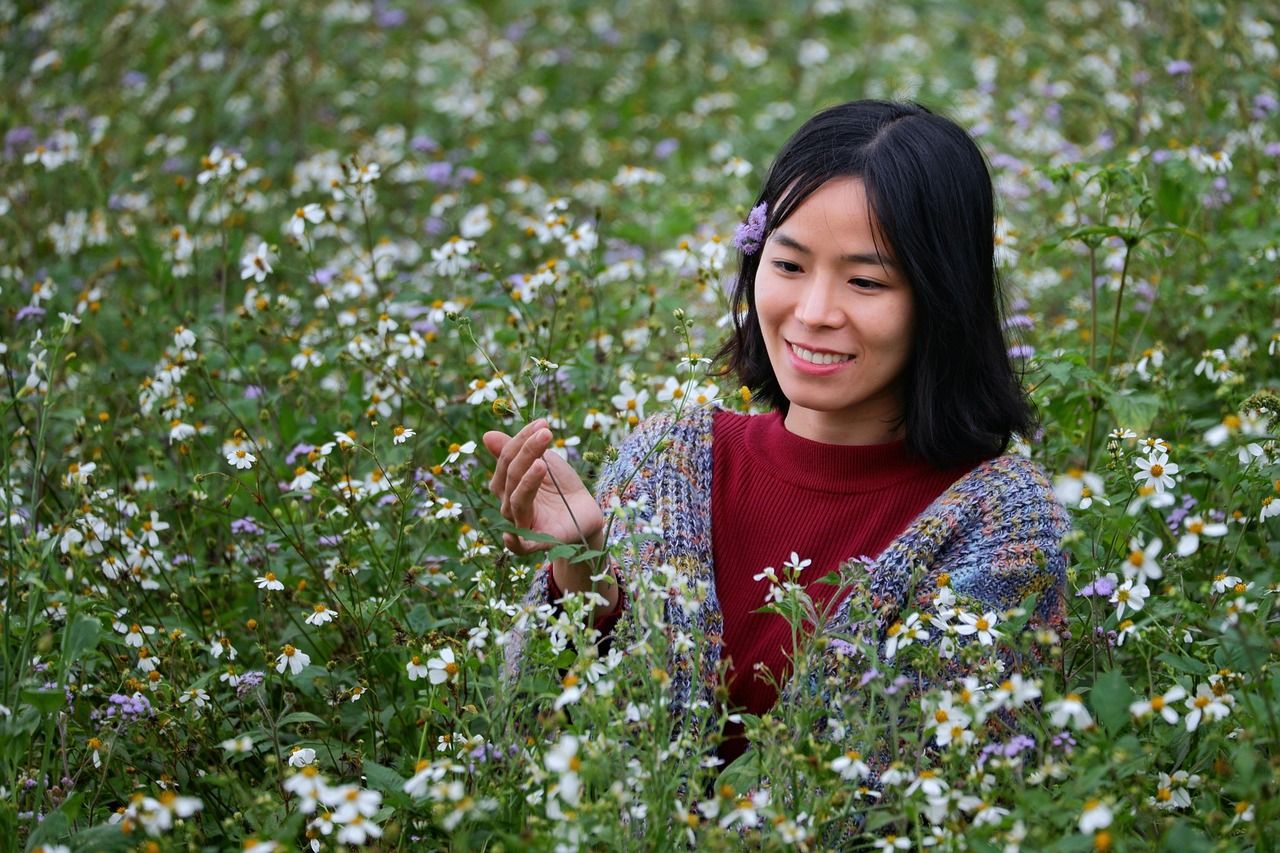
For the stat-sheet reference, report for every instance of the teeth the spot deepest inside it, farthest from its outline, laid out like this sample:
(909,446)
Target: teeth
(819,357)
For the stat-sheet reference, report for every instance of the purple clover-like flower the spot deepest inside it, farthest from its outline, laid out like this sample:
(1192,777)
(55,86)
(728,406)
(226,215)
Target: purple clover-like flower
(1098,588)
(749,235)
(248,681)
(245,527)
(1177,67)
(129,708)
(841,647)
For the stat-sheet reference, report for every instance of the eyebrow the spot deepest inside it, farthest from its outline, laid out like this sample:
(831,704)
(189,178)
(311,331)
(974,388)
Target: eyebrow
(874,258)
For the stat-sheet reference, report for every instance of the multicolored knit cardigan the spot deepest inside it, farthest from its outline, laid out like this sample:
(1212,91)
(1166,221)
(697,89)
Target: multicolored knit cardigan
(997,532)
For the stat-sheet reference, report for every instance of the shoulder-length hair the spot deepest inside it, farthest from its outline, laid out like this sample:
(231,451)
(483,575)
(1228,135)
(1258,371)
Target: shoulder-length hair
(930,192)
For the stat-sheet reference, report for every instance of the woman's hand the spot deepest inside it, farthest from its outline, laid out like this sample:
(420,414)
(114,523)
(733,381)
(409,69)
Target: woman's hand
(541,492)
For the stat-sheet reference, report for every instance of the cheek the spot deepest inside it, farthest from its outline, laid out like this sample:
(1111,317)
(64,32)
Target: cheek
(769,306)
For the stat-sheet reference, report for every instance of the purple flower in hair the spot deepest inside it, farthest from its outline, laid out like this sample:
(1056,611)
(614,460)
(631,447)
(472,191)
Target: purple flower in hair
(750,234)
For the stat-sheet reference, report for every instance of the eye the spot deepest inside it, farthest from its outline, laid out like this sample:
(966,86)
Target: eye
(786,266)
(866,284)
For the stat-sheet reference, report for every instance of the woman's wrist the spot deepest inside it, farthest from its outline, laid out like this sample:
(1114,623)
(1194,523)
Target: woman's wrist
(576,577)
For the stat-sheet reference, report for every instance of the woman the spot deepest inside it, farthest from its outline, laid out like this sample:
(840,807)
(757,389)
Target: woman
(867,315)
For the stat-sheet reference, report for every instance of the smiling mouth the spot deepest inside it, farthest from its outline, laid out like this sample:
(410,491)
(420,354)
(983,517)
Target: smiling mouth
(818,357)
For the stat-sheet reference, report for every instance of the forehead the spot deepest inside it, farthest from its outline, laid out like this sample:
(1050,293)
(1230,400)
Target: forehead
(835,217)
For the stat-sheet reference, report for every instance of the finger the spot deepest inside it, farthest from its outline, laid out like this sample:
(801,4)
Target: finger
(498,484)
(534,446)
(523,494)
(512,543)
(494,440)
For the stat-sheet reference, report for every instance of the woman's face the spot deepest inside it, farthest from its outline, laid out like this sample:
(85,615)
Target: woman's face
(837,317)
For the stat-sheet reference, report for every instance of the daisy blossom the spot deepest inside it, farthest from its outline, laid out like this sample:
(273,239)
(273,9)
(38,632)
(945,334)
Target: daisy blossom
(983,626)
(1162,705)
(1156,471)
(293,658)
(443,668)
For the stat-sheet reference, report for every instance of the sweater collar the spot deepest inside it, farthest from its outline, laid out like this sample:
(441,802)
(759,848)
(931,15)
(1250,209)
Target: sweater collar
(839,468)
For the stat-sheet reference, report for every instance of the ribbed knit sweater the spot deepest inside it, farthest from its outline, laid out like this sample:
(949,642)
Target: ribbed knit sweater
(996,531)
(774,492)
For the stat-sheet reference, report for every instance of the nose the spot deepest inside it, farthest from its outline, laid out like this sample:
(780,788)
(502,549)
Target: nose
(818,304)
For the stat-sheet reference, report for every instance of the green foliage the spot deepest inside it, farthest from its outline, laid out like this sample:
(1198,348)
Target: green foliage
(244,534)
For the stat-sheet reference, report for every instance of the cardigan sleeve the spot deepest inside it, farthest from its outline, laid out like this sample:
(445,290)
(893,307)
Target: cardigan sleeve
(994,545)
(1009,548)
(624,481)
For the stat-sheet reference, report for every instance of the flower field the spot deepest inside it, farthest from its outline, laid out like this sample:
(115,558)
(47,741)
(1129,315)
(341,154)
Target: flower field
(269,270)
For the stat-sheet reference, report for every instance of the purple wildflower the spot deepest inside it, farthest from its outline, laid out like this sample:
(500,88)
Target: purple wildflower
(129,708)
(1181,512)
(1021,351)
(1272,149)
(438,172)
(1099,588)
(27,311)
(1064,741)
(423,143)
(253,392)
(868,676)
(245,527)
(390,18)
(248,681)
(665,148)
(841,647)
(750,234)
(330,541)
(1177,67)
(898,683)
(300,449)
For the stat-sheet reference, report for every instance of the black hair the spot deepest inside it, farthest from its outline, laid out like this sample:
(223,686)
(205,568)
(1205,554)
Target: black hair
(929,189)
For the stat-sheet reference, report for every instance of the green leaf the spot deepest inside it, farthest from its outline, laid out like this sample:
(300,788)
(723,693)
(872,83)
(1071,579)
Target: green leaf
(420,618)
(99,839)
(1134,410)
(1242,654)
(1183,838)
(45,701)
(56,825)
(1110,699)
(744,773)
(1182,663)
(384,779)
(561,552)
(82,637)
(298,717)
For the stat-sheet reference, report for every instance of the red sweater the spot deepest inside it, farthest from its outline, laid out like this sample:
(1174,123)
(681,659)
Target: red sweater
(772,493)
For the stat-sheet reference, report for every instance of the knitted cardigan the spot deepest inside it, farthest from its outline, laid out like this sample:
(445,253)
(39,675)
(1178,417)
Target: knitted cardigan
(997,531)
